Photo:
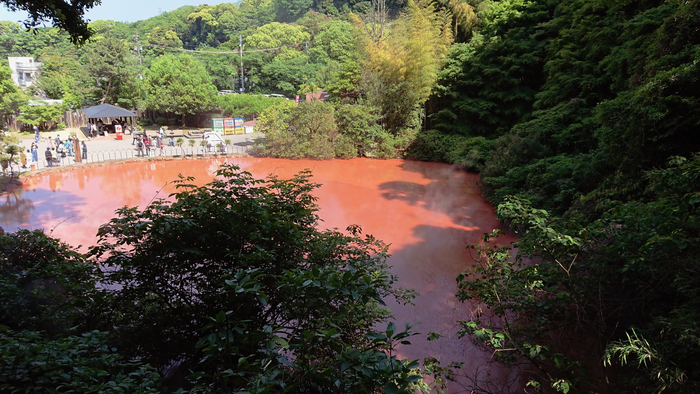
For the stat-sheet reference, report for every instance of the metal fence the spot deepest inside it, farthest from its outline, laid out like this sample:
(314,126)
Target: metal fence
(143,153)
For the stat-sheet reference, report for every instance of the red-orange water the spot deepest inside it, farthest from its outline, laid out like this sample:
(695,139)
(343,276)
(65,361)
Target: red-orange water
(428,212)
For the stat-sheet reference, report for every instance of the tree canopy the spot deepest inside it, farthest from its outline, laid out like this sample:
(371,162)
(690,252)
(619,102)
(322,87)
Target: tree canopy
(179,84)
(64,15)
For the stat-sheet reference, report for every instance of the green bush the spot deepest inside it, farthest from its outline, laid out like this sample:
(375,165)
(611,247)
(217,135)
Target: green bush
(433,145)
(145,122)
(247,106)
(360,124)
(42,282)
(321,291)
(344,147)
(307,130)
(30,362)
(161,120)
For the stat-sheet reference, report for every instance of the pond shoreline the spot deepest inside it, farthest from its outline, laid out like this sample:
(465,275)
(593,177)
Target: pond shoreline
(7,184)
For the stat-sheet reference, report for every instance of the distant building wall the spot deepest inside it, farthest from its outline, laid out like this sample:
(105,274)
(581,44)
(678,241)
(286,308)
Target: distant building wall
(25,70)
(318,96)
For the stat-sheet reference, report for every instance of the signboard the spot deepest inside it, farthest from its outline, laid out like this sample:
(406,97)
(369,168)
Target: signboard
(228,126)
(238,126)
(297,99)
(217,124)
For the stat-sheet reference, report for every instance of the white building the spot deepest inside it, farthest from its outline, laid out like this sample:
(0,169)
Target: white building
(25,70)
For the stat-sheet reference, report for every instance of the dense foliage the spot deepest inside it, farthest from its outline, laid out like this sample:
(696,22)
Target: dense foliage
(67,16)
(321,131)
(582,118)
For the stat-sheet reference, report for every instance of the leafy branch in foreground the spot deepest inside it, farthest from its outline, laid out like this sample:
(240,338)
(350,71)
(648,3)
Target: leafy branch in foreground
(233,285)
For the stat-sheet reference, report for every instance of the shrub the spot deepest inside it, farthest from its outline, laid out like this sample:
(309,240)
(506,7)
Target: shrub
(433,145)
(29,362)
(282,302)
(307,130)
(360,124)
(345,147)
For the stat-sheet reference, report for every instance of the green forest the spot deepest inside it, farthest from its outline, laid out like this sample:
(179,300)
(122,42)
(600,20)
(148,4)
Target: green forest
(582,118)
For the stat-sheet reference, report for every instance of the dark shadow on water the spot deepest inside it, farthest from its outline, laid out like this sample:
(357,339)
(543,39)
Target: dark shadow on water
(19,208)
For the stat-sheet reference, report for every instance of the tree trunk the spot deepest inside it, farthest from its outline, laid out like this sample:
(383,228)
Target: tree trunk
(183,120)
(109,87)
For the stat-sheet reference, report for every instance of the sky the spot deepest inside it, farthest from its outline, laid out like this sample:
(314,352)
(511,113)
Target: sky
(121,10)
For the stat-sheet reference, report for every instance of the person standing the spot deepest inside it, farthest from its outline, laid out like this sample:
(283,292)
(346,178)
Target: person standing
(49,157)
(23,157)
(36,134)
(89,129)
(84,151)
(139,147)
(68,147)
(35,153)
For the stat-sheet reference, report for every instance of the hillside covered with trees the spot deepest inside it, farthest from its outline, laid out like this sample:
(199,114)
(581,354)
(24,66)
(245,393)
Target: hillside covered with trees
(582,118)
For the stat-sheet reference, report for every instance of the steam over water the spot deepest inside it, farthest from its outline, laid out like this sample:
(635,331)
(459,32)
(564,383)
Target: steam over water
(427,212)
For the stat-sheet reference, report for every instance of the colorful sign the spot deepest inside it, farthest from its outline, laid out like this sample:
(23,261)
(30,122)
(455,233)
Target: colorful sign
(238,126)
(217,124)
(297,99)
(228,126)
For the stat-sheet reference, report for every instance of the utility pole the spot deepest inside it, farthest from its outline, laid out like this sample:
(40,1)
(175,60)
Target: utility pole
(138,48)
(240,46)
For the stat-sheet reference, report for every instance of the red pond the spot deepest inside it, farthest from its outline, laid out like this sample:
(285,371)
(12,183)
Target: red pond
(428,212)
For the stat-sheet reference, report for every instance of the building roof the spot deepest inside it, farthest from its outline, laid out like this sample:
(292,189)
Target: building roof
(34,103)
(107,111)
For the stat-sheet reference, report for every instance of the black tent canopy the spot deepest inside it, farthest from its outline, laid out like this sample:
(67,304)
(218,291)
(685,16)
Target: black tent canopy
(108,111)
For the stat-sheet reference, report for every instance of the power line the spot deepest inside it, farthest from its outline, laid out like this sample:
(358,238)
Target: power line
(223,52)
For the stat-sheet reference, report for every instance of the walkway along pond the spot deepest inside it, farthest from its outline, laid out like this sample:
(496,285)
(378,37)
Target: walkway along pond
(427,212)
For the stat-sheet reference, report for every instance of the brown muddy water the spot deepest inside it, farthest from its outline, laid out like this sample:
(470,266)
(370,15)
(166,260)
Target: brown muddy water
(428,212)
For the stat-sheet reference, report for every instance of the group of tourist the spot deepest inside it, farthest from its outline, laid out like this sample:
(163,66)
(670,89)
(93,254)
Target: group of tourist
(95,129)
(57,149)
(144,143)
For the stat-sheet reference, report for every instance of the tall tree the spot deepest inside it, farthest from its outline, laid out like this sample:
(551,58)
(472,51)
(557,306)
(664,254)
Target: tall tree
(335,41)
(112,66)
(63,77)
(407,62)
(258,12)
(179,84)
(160,38)
(11,98)
(291,10)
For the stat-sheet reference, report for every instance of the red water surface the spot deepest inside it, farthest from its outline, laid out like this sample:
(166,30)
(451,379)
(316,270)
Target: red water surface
(428,212)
